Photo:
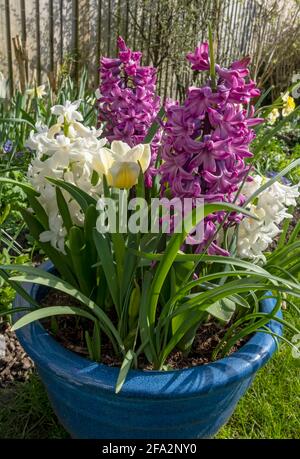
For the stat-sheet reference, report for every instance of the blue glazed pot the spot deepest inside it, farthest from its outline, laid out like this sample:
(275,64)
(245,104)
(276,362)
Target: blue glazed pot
(190,403)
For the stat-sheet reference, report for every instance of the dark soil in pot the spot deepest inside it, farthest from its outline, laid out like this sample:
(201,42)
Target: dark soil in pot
(69,331)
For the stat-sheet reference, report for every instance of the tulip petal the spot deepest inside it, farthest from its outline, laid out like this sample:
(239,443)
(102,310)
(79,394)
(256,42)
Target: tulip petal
(124,174)
(140,154)
(103,161)
(119,148)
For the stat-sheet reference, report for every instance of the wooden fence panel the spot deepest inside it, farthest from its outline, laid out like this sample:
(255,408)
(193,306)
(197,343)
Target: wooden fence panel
(80,31)
(45,49)
(67,27)
(3,41)
(32,39)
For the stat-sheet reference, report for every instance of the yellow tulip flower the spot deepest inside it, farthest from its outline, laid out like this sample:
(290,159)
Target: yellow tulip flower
(272,117)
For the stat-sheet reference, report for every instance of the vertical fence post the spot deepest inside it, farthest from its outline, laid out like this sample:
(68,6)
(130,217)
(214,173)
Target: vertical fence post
(99,35)
(109,27)
(38,40)
(74,45)
(61,9)
(51,36)
(9,47)
(24,34)
(238,23)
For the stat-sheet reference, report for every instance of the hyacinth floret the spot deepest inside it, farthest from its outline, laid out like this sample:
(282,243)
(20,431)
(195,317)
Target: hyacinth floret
(128,104)
(206,140)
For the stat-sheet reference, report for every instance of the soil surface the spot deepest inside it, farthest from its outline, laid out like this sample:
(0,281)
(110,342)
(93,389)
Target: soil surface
(70,331)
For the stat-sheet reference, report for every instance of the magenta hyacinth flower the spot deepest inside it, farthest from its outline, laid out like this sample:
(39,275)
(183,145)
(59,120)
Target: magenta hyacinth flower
(200,58)
(128,104)
(207,138)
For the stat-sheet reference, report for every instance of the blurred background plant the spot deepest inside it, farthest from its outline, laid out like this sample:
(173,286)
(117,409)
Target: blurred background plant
(18,117)
(280,135)
(49,38)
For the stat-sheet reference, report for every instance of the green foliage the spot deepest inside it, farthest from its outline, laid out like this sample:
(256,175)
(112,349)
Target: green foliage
(268,408)
(279,151)
(19,115)
(147,321)
(142,292)
(7,292)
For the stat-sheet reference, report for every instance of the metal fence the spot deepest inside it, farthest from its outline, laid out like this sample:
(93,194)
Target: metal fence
(38,36)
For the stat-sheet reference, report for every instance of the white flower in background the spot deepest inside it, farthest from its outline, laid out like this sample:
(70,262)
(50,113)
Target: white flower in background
(35,138)
(3,88)
(97,94)
(67,112)
(66,154)
(273,116)
(121,163)
(250,187)
(37,91)
(287,194)
(69,117)
(254,236)
(56,236)
(284,96)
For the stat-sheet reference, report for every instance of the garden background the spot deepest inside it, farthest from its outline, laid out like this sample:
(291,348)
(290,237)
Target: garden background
(38,37)
(58,43)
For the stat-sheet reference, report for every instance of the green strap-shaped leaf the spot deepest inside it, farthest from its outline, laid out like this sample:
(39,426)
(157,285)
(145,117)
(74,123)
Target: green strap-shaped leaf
(173,247)
(272,132)
(63,209)
(28,189)
(89,344)
(106,189)
(18,288)
(50,312)
(39,211)
(146,338)
(89,226)
(154,127)
(107,261)
(130,262)
(140,186)
(60,261)
(222,310)
(126,365)
(16,120)
(83,199)
(41,277)
(295,233)
(119,251)
(96,342)
(274,179)
(80,261)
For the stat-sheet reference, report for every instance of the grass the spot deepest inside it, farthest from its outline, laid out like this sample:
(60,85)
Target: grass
(270,409)
(25,412)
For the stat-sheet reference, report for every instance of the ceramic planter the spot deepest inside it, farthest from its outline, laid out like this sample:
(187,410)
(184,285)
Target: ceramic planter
(190,403)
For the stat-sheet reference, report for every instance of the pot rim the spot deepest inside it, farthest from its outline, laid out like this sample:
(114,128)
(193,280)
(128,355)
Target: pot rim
(51,356)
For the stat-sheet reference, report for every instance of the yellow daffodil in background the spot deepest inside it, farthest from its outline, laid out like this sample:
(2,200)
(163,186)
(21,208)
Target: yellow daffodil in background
(37,91)
(289,106)
(121,163)
(272,117)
